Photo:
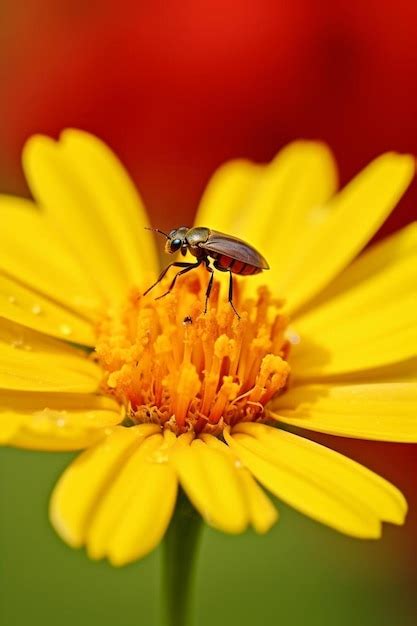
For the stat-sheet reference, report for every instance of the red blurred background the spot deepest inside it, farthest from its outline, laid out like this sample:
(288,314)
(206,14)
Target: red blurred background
(178,87)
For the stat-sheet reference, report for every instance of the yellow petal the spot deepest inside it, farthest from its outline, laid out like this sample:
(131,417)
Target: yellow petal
(27,307)
(228,195)
(33,253)
(209,478)
(384,411)
(118,202)
(284,197)
(288,207)
(33,362)
(135,509)
(88,199)
(355,215)
(317,481)
(262,513)
(373,324)
(82,486)
(404,371)
(44,421)
(377,259)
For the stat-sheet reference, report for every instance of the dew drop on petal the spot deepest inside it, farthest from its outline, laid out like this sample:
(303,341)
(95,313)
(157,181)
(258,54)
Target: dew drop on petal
(65,330)
(36,309)
(18,343)
(160,456)
(292,336)
(49,419)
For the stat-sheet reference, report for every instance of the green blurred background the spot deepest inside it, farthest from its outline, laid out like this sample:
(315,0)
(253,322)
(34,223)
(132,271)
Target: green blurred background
(176,88)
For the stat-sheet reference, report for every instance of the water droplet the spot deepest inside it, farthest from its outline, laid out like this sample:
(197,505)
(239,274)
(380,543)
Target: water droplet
(49,419)
(17,343)
(238,464)
(292,336)
(160,456)
(65,329)
(36,309)
(12,299)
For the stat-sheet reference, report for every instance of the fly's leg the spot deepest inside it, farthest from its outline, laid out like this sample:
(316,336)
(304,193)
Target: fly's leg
(162,274)
(209,286)
(231,294)
(187,268)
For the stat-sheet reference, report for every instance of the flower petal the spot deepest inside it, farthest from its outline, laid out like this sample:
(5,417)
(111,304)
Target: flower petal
(209,478)
(404,371)
(84,483)
(118,200)
(382,411)
(373,324)
(227,194)
(317,481)
(27,307)
(249,201)
(33,253)
(289,202)
(30,361)
(262,513)
(136,507)
(90,200)
(43,421)
(376,260)
(356,214)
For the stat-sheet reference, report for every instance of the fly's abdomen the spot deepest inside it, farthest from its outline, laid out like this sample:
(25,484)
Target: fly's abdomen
(226,263)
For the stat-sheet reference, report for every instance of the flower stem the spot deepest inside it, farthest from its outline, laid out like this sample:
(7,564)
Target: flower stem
(179,551)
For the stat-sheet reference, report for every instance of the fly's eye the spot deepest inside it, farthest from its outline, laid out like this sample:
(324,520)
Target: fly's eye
(175,244)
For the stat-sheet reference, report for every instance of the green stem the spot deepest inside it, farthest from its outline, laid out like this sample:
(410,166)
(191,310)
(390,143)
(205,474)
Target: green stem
(179,551)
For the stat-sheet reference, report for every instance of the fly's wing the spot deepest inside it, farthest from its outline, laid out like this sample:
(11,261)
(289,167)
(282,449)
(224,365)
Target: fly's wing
(234,248)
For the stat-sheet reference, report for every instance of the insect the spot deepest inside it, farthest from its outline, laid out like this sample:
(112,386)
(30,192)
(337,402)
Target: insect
(229,254)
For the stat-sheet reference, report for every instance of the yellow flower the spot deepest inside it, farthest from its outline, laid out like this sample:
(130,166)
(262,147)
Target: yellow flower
(166,395)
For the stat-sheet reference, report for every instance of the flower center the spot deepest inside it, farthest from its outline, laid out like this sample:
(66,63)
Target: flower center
(168,362)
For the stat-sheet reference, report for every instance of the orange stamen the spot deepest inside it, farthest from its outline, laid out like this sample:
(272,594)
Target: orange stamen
(167,362)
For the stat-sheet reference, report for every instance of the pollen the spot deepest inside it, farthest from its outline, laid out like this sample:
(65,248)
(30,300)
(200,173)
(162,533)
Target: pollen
(169,363)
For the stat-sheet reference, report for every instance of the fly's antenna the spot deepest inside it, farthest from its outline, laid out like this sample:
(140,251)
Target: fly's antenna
(156,230)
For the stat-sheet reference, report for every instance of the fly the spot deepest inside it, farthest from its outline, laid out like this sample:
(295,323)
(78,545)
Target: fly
(228,253)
